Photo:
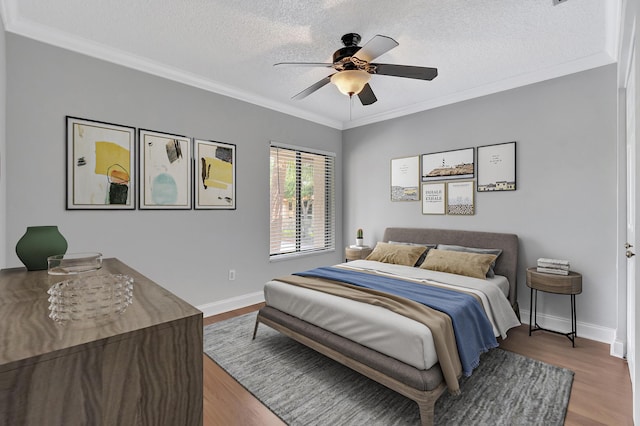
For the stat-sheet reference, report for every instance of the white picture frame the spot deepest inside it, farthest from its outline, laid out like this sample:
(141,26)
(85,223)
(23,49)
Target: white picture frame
(434,197)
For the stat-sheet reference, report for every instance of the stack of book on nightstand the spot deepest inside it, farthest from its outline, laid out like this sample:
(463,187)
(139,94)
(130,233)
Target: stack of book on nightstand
(553,266)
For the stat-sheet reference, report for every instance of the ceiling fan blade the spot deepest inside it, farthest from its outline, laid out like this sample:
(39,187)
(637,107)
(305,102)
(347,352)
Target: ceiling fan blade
(303,64)
(309,90)
(375,47)
(366,95)
(407,71)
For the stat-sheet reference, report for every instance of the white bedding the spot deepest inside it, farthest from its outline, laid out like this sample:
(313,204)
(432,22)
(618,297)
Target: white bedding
(380,329)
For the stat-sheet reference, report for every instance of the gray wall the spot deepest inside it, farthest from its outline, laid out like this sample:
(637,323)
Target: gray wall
(3,145)
(565,204)
(188,252)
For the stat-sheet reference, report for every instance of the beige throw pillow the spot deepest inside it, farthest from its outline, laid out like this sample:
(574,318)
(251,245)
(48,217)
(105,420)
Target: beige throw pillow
(461,263)
(396,253)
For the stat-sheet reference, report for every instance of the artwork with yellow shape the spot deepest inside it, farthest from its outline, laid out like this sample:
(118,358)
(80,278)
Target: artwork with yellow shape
(112,160)
(216,172)
(100,165)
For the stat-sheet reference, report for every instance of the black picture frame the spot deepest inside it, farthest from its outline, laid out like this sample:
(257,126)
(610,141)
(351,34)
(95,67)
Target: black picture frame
(214,175)
(165,167)
(497,167)
(448,165)
(101,165)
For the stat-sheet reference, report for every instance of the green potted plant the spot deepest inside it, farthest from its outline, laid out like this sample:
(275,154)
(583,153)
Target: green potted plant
(359,238)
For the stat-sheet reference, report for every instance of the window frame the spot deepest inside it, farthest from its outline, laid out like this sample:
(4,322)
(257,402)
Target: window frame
(329,203)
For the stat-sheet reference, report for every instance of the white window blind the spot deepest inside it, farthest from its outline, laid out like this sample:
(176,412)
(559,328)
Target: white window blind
(302,210)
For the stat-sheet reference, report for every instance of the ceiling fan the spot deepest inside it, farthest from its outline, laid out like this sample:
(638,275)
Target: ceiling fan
(354,68)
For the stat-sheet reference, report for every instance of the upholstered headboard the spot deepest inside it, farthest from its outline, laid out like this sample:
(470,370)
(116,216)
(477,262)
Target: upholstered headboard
(506,264)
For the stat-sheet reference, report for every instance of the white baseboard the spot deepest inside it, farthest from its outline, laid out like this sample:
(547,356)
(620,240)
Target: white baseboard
(618,349)
(231,304)
(586,330)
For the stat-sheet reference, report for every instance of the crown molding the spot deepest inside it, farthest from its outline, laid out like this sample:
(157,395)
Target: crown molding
(15,25)
(567,68)
(8,10)
(613,23)
(613,27)
(627,35)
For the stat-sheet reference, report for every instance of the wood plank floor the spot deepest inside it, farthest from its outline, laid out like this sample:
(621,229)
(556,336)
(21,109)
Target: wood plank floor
(601,392)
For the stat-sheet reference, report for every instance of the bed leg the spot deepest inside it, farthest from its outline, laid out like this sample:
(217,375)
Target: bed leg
(426,413)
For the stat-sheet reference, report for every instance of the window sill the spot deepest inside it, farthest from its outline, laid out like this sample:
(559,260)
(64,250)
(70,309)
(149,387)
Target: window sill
(297,255)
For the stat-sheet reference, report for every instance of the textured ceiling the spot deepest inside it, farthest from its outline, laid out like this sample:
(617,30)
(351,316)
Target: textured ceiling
(229,47)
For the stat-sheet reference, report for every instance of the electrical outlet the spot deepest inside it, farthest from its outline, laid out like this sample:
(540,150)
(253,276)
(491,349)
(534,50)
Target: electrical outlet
(232,274)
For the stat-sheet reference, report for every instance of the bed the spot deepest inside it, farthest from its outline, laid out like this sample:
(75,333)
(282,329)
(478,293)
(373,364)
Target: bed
(378,338)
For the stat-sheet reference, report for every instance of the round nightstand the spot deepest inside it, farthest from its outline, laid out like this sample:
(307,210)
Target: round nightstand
(553,283)
(356,253)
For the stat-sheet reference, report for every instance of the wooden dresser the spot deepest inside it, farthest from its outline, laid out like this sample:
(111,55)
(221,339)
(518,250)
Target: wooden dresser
(142,368)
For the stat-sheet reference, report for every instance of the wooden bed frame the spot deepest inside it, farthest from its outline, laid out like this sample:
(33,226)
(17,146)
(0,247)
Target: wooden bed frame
(422,386)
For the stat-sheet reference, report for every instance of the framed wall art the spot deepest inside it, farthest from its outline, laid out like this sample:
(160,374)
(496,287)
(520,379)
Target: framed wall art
(434,198)
(165,171)
(100,165)
(456,164)
(460,199)
(215,177)
(405,179)
(497,167)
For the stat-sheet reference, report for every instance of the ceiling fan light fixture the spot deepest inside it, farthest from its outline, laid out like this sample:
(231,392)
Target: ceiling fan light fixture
(350,82)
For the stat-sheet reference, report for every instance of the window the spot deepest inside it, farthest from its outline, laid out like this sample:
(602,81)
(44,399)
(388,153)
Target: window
(302,210)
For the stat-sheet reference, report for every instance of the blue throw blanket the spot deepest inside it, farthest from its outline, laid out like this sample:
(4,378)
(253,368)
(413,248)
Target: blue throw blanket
(472,329)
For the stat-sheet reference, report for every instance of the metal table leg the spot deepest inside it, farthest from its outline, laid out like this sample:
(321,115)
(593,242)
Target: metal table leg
(533,318)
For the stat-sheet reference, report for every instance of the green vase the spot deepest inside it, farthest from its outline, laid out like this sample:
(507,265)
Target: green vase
(38,243)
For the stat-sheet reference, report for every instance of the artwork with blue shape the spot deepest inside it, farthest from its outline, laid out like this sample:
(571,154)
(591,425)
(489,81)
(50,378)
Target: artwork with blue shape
(165,168)
(165,190)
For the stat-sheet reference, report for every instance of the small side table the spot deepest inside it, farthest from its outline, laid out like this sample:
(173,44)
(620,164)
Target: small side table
(551,283)
(351,253)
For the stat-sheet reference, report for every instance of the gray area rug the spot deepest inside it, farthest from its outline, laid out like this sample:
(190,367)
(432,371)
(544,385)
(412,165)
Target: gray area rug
(303,387)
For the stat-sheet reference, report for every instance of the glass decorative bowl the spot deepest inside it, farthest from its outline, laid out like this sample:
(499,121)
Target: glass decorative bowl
(96,297)
(73,263)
